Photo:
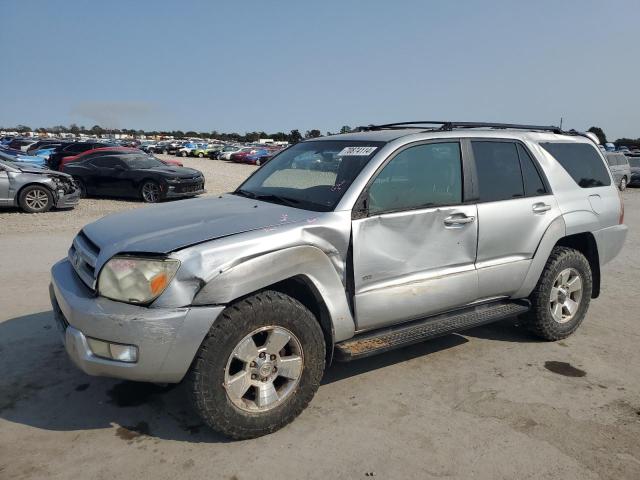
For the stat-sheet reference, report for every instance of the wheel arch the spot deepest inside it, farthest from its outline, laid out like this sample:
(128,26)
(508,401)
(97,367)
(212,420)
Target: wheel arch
(586,244)
(31,184)
(304,272)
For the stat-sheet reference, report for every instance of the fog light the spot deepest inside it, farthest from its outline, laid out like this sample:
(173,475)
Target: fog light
(124,353)
(113,351)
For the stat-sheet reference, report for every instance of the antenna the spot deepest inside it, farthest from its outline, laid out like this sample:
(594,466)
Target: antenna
(560,123)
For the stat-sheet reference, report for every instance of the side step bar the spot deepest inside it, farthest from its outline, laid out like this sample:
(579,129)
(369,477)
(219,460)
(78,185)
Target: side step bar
(385,339)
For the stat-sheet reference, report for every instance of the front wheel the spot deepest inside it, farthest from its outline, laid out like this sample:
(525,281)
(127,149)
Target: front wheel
(560,301)
(36,199)
(623,184)
(150,192)
(259,366)
(200,155)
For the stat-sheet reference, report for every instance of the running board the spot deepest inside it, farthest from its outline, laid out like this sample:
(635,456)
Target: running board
(385,339)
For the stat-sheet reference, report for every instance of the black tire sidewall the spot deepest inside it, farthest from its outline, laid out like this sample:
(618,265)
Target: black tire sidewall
(23,194)
(541,320)
(207,377)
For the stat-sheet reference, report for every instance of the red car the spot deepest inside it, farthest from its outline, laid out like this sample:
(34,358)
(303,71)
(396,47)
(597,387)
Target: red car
(173,163)
(96,152)
(239,157)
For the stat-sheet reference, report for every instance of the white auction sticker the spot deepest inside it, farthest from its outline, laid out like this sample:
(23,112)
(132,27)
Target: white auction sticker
(357,151)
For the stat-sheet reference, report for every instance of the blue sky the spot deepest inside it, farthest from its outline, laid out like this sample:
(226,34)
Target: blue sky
(278,65)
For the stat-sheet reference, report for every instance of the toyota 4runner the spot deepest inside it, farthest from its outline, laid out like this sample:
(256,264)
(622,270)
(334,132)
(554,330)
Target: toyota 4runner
(408,232)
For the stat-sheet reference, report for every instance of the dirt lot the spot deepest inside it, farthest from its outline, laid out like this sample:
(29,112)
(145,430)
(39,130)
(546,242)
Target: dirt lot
(489,404)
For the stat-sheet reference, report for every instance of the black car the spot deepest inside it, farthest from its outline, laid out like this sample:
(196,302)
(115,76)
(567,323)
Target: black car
(135,175)
(71,149)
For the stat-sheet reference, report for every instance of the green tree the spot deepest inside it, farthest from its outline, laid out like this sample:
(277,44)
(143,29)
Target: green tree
(345,129)
(23,128)
(97,130)
(599,133)
(315,133)
(294,136)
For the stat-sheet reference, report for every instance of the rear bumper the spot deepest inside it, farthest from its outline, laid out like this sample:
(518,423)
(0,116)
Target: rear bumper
(167,338)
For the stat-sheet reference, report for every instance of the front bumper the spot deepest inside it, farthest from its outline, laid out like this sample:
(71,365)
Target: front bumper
(67,200)
(167,338)
(181,191)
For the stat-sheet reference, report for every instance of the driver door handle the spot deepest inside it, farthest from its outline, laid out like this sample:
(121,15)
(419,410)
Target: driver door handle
(540,207)
(458,220)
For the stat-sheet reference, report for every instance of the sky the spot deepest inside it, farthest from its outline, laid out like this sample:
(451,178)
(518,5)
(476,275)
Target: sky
(278,65)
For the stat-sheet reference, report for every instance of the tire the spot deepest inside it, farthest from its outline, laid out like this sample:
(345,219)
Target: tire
(258,162)
(81,186)
(239,415)
(150,192)
(200,155)
(165,151)
(623,184)
(183,154)
(35,199)
(543,319)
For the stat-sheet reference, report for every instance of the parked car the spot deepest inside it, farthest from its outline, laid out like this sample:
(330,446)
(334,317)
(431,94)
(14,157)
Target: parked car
(170,161)
(257,157)
(34,161)
(239,156)
(21,144)
(420,232)
(226,152)
(634,164)
(205,150)
(620,169)
(186,149)
(97,152)
(35,190)
(135,175)
(71,150)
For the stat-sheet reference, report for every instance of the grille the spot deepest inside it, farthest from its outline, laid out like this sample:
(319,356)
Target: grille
(83,255)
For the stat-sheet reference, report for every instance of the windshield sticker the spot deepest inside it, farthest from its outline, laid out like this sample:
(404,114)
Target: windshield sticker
(357,151)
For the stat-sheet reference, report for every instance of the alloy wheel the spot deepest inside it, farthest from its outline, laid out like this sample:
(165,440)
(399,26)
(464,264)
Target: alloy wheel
(264,369)
(150,192)
(566,295)
(36,199)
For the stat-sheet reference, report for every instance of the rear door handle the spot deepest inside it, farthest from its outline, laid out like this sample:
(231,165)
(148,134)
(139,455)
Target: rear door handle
(458,219)
(540,207)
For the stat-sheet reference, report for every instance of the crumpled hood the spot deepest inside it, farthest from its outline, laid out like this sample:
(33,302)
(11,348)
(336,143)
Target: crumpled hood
(174,225)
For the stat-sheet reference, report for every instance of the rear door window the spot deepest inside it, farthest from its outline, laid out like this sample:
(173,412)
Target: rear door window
(581,161)
(498,167)
(533,184)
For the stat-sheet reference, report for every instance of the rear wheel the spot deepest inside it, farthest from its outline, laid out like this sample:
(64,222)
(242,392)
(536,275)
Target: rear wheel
(200,155)
(35,199)
(150,192)
(561,299)
(259,366)
(258,162)
(183,154)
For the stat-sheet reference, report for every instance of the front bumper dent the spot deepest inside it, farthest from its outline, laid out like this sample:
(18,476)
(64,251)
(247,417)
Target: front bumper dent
(167,338)
(68,200)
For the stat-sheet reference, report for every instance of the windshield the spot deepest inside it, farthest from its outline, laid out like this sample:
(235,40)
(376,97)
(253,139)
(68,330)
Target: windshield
(312,175)
(142,161)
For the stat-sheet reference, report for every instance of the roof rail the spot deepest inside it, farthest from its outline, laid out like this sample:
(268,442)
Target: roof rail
(447,126)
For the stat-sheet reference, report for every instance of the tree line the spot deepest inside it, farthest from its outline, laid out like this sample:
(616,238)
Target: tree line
(621,142)
(294,136)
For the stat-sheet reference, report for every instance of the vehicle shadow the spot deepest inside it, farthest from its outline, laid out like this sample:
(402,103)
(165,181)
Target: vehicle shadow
(41,388)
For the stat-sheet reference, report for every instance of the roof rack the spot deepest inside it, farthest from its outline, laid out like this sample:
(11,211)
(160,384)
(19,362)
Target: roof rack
(447,126)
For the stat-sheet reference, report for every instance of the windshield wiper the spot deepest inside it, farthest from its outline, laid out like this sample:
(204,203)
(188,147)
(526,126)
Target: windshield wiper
(245,193)
(268,197)
(291,202)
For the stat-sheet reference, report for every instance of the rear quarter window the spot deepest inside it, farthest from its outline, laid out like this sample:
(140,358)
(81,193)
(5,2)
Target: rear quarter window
(581,161)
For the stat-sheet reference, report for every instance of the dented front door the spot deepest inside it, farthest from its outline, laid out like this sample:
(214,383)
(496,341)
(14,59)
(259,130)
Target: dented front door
(410,261)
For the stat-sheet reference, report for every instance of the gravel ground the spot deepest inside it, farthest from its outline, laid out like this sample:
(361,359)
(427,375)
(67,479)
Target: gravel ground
(493,403)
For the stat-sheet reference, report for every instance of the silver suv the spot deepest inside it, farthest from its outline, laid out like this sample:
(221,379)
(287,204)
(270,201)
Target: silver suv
(375,240)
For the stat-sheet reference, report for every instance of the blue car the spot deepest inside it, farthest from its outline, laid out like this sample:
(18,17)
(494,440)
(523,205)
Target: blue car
(34,161)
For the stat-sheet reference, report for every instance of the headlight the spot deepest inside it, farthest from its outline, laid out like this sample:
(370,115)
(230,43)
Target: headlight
(136,280)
